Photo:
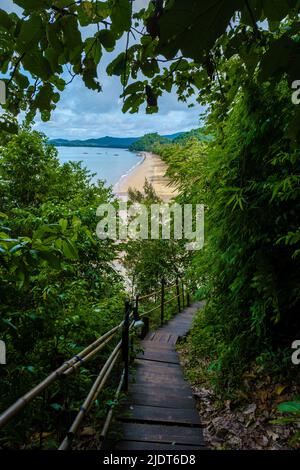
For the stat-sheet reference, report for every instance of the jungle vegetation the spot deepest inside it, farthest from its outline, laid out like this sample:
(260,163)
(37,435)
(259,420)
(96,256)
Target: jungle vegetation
(239,59)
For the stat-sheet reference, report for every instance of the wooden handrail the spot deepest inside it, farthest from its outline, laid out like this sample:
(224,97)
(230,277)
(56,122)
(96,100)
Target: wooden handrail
(147,296)
(68,367)
(92,396)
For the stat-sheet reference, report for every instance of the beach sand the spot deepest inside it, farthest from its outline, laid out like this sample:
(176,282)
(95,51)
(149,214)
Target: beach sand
(153,169)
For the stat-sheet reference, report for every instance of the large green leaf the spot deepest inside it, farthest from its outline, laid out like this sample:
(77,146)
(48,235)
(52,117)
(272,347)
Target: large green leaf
(30,33)
(117,66)
(193,27)
(289,407)
(44,97)
(37,64)
(107,38)
(276,10)
(5,20)
(282,57)
(69,250)
(32,4)
(121,15)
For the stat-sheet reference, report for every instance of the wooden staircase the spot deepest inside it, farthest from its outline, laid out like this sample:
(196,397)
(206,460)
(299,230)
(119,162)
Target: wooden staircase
(161,412)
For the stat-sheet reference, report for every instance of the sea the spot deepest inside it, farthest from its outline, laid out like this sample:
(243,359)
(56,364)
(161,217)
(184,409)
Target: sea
(108,164)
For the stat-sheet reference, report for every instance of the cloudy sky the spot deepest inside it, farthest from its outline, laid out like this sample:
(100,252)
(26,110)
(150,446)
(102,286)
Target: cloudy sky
(82,113)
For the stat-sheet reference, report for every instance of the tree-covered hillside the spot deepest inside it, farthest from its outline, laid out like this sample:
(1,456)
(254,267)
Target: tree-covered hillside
(146,143)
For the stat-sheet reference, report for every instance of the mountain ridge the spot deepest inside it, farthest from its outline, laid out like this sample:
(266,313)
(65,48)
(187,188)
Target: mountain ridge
(104,142)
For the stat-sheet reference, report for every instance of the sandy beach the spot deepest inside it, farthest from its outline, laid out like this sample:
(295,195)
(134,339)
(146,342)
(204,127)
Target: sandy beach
(151,168)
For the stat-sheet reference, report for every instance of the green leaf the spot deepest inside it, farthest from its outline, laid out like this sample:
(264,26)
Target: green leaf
(54,36)
(44,96)
(69,250)
(193,27)
(37,64)
(118,65)
(63,224)
(89,75)
(30,33)
(17,247)
(133,103)
(276,10)
(121,16)
(31,4)
(289,407)
(56,406)
(51,258)
(282,57)
(52,57)
(5,20)
(93,12)
(150,68)
(93,49)
(21,80)
(72,37)
(134,88)
(107,38)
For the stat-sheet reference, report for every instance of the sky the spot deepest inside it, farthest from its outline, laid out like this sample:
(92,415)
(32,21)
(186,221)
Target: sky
(83,113)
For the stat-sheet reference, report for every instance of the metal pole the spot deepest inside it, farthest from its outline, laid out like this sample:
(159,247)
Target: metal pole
(125,344)
(162,302)
(178,295)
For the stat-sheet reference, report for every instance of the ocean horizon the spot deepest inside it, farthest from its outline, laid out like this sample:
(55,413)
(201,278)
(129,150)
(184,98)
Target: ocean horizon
(108,164)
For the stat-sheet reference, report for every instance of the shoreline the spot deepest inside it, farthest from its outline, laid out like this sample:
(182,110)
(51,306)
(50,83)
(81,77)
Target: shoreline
(151,168)
(128,173)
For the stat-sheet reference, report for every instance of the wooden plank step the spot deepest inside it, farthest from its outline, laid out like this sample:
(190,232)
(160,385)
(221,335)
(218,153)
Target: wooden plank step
(165,389)
(158,379)
(164,338)
(163,415)
(157,366)
(153,344)
(168,357)
(136,445)
(163,433)
(150,386)
(162,351)
(162,400)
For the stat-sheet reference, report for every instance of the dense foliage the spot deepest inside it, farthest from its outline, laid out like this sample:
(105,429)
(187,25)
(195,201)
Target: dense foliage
(237,58)
(248,179)
(47,40)
(58,289)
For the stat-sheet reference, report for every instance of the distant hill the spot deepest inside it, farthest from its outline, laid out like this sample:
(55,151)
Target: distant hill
(107,142)
(145,143)
(193,134)
(148,142)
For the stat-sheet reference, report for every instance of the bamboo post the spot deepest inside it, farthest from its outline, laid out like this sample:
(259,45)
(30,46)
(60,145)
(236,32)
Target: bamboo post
(145,329)
(162,302)
(125,344)
(178,295)
(182,287)
(188,300)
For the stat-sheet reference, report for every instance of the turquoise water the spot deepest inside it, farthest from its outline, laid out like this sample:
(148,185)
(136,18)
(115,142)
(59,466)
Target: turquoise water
(108,164)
